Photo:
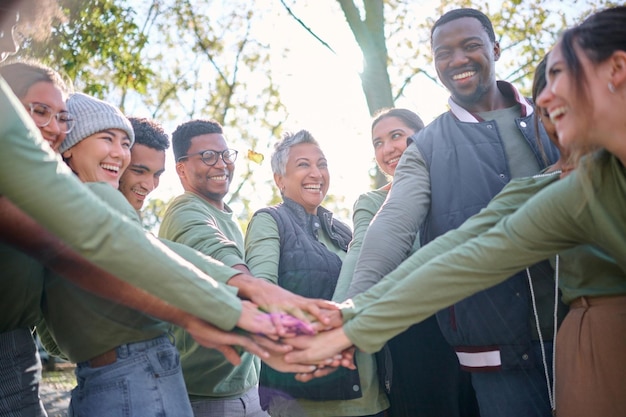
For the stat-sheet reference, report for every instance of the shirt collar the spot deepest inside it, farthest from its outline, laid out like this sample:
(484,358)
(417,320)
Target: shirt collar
(505,88)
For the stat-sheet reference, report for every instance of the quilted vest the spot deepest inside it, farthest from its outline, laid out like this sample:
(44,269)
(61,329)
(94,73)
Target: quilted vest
(308,268)
(468,167)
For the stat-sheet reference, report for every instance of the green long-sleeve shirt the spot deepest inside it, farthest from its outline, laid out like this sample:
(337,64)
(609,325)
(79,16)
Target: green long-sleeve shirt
(557,218)
(364,210)
(85,325)
(262,256)
(512,196)
(35,179)
(191,221)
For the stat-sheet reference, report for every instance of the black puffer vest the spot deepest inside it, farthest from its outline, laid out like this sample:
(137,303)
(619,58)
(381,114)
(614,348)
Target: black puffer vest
(308,268)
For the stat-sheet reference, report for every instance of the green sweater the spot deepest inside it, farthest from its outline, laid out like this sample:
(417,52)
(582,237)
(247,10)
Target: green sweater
(35,179)
(84,325)
(364,210)
(192,221)
(557,218)
(262,257)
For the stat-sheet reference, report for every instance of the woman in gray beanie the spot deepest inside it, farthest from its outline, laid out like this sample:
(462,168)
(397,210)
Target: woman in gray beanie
(98,148)
(124,358)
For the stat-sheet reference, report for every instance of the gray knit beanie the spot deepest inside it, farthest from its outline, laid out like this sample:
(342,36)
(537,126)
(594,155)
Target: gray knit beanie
(93,116)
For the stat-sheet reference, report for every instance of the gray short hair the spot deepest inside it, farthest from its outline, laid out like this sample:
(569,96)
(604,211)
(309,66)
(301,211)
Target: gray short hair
(281,149)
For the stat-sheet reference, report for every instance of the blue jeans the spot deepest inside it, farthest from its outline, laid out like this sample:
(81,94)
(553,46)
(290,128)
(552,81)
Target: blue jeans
(515,393)
(146,380)
(20,373)
(247,405)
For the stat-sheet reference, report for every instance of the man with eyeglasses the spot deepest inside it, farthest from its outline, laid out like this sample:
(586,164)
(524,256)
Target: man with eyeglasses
(201,219)
(35,180)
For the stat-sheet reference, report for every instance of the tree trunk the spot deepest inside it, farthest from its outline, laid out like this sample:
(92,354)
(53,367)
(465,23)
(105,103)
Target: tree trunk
(370,36)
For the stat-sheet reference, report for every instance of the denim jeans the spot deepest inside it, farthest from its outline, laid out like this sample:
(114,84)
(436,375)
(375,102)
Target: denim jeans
(515,393)
(247,405)
(146,380)
(20,373)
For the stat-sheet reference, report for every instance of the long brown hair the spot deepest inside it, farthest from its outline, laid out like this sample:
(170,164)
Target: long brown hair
(599,36)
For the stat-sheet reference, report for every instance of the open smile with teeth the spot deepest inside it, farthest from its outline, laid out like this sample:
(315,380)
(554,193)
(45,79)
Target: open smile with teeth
(555,114)
(316,188)
(393,160)
(463,75)
(110,167)
(219,177)
(139,192)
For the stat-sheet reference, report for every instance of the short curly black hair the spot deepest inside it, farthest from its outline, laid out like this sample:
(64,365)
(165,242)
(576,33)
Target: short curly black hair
(185,132)
(150,133)
(465,12)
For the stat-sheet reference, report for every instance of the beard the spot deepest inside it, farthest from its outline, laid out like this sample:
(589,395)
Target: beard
(469,100)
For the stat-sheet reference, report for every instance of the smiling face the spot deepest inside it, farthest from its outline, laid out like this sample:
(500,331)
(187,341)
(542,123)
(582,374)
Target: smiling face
(209,182)
(143,174)
(579,110)
(47,93)
(101,157)
(306,178)
(465,60)
(389,137)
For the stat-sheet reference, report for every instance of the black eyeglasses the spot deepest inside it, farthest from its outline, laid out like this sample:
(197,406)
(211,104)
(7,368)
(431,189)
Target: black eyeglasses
(210,158)
(42,115)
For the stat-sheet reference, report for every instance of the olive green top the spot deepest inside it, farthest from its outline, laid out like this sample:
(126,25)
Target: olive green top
(559,217)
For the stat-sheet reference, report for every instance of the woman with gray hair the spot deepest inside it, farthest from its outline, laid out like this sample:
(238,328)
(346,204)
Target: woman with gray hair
(298,245)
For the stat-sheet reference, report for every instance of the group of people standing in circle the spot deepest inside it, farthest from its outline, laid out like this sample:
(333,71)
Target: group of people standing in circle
(487,278)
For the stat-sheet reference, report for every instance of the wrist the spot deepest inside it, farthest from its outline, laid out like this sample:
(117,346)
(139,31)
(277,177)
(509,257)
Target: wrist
(244,283)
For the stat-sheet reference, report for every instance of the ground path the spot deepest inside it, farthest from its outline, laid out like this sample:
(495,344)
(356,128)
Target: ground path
(55,387)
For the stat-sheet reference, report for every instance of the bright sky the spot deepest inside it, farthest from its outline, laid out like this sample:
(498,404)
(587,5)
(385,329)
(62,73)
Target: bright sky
(322,93)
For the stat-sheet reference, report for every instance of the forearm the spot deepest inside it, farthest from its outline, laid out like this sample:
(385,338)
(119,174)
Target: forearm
(511,198)
(365,209)
(206,264)
(391,235)
(437,247)
(519,240)
(21,231)
(472,228)
(246,284)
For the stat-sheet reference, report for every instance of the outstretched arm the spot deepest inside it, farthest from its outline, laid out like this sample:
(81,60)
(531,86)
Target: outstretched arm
(390,237)
(512,197)
(19,230)
(37,181)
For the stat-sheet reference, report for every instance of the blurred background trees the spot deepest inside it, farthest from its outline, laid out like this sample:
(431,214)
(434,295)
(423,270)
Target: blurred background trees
(174,60)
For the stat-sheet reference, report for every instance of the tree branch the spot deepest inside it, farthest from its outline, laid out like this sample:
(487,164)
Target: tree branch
(308,29)
(408,80)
